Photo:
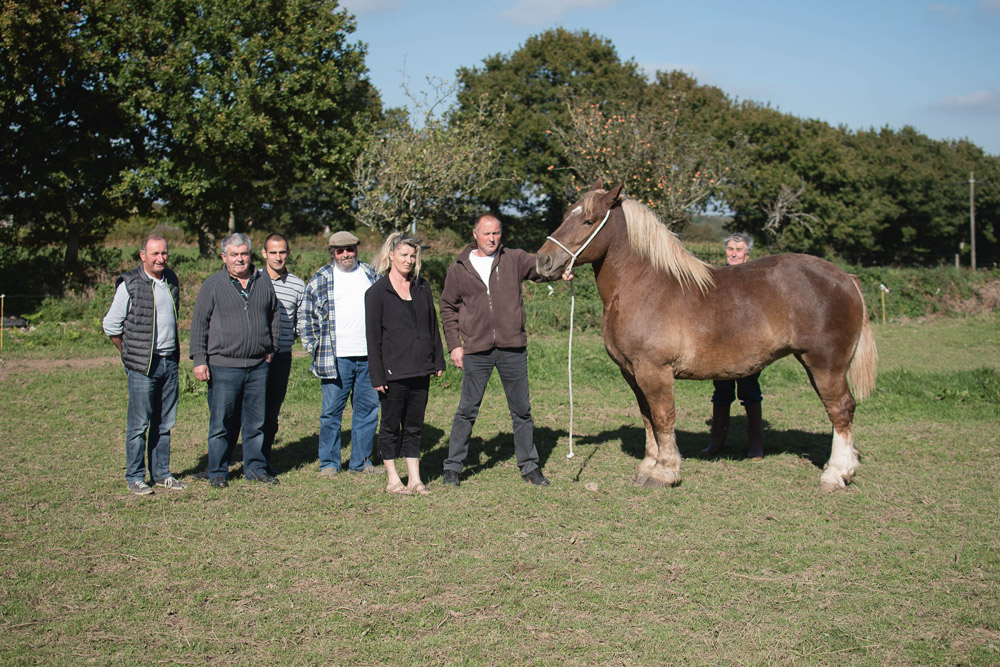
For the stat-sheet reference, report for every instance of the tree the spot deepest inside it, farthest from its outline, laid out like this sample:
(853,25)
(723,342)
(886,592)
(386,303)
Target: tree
(62,133)
(534,83)
(433,174)
(672,169)
(245,112)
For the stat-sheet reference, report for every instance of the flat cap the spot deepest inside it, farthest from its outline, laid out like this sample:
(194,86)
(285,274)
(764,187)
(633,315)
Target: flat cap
(342,240)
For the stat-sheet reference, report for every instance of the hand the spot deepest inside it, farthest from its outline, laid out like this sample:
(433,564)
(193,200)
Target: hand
(382,389)
(438,373)
(568,274)
(267,359)
(202,373)
(456,357)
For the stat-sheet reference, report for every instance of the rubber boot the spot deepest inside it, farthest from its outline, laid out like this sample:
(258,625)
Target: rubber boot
(755,433)
(720,427)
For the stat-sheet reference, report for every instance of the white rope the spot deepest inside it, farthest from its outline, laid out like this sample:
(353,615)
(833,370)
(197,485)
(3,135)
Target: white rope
(572,311)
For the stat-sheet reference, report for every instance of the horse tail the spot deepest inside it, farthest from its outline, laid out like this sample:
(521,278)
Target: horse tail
(861,371)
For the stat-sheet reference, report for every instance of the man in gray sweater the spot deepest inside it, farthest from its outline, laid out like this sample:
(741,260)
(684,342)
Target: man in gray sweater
(235,330)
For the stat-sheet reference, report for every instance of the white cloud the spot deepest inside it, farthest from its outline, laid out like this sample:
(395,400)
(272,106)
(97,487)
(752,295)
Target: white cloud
(369,6)
(983,101)
(541,12)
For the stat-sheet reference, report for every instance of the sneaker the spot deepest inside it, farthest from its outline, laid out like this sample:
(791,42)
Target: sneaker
(536,477)
(172,483)
(371,470)
(263,478)
(328,471)
(219,482)
(140,488)
(450,478)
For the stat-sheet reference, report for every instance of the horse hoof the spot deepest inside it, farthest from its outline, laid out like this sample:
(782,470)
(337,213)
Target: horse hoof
(652,483)
(831,486)
(641,479)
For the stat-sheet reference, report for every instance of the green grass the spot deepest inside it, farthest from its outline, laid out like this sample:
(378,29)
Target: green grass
(742,564)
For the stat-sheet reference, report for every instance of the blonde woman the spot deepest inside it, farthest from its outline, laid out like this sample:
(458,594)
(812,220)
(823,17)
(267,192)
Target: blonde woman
(404,350)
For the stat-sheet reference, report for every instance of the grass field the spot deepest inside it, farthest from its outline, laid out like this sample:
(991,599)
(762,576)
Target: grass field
(744,563)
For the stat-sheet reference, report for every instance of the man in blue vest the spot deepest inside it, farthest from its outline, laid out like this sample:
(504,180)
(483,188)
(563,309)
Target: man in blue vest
(142,323)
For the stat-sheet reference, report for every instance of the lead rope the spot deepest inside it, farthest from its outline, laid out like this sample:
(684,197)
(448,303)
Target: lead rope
(572,311)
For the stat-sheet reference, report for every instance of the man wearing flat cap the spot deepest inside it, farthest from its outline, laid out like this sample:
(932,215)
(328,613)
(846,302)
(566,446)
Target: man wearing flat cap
(333,332)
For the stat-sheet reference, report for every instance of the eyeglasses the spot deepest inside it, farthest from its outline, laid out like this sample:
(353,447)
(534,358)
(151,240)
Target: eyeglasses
(341,251)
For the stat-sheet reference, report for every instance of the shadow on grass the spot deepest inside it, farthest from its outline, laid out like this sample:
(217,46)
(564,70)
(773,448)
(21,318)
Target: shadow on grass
(814,447)
(483,454)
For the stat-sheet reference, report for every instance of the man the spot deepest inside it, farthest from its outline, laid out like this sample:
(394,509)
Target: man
(483,317)
(333,332)
(142,324)
(289,291)
(738,247)
(235,329)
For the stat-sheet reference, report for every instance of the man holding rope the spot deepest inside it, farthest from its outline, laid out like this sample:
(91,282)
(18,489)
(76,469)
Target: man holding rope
(483,317)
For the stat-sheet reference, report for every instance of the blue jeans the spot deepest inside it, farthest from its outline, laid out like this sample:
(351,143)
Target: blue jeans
(512,365)
(152,412)
(352,381)
(277,385)
(236,401)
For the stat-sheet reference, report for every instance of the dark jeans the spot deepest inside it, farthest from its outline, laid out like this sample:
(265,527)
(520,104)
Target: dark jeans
(512,365)
(403,406)
(236,401)
(277,385)
(747,388)
(152,412)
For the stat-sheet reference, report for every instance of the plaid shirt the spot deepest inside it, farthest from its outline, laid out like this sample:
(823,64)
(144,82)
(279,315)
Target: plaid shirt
(318,326)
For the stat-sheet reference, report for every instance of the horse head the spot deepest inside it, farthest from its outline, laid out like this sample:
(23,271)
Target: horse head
(572,243)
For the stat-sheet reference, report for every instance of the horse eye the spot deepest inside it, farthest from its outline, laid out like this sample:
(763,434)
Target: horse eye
(589,222)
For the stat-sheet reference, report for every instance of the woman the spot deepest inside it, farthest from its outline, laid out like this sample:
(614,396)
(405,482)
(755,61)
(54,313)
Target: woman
(404,349)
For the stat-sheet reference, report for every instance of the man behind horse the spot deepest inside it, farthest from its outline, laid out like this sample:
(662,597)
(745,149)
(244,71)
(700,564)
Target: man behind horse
(738,247)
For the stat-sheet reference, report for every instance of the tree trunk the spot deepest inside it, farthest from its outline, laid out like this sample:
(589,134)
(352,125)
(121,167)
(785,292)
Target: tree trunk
(72,258)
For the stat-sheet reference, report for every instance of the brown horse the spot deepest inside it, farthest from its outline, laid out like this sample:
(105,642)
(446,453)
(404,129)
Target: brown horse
(669,315)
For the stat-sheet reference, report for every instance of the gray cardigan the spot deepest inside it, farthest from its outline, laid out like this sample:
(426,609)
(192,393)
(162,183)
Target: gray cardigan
(226,331)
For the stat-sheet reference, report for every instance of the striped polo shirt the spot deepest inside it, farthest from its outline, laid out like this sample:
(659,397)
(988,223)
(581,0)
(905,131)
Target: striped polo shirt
(290,291)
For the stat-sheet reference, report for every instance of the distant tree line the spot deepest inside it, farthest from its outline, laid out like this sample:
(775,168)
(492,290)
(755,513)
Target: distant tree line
(219,115)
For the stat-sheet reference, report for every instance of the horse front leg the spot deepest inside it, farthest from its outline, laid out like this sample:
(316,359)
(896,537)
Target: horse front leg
(657,386)
(649,459)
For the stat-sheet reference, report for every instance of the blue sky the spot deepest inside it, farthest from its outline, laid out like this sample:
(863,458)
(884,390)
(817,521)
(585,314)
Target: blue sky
(932,65)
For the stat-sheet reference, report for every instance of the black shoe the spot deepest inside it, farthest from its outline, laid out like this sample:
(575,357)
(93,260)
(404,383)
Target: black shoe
(536,477)
(263,478)
(219,482)
(450,478)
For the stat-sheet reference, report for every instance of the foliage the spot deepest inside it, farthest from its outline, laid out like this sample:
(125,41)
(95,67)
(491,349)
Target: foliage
(431,174)
(247,114)
(671,169)
(534,84)
(63,136)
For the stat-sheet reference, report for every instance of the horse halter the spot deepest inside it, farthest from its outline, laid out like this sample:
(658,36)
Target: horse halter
(574,255)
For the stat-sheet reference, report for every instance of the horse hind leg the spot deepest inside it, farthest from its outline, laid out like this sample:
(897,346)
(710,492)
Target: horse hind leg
(831,385)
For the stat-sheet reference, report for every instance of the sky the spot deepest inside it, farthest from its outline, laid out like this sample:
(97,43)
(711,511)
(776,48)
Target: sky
(879,63)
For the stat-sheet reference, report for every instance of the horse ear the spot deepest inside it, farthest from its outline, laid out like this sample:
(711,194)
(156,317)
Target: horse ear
(598,184)
(615,195)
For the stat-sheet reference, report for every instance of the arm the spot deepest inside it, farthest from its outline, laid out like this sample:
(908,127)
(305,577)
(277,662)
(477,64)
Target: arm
(308,316)
(373,334)
(203,306)
(451,302)
(114,321)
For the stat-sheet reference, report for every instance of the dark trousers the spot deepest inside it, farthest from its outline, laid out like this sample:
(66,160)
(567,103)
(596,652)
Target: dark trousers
(277,385)
(512,365)
(403,406)
(236,403)
(747,388)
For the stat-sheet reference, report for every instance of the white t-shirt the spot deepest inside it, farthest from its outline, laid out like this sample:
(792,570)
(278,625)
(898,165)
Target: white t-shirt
(482,265)
(349,311)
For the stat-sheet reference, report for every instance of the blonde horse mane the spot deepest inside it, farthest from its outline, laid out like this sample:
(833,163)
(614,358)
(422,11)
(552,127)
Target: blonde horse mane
(650,238)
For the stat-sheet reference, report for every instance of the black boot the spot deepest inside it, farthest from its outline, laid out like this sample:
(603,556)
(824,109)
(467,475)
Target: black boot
(720,427)
(755,433)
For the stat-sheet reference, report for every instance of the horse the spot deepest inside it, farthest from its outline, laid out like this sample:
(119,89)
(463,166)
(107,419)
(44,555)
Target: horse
(669,315)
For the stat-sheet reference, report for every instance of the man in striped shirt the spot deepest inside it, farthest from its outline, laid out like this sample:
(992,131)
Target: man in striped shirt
(289,290)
